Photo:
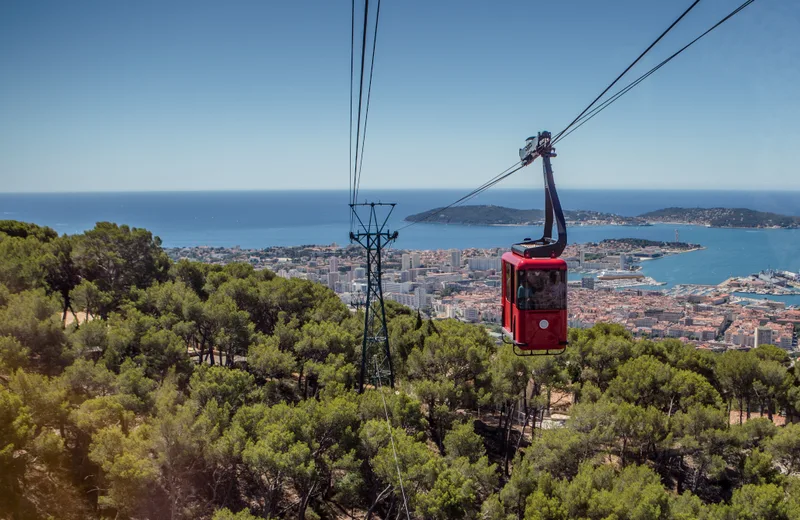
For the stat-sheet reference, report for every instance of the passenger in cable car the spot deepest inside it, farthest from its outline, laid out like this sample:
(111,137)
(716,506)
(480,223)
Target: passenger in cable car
(526,290)
(557,291)
(540,290)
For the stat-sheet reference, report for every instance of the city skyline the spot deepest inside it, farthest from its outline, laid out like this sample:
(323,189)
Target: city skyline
(465,284)
(200,96)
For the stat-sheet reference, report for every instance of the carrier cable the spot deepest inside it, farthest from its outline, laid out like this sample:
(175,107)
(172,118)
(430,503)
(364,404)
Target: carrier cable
(646,75)
(352,52)
(667,30)
(369,95)
(360,99)
(589,113)
(474,193)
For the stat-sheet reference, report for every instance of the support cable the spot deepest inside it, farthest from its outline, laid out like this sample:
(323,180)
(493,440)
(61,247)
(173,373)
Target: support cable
(646,75)
(352,52)
(369,95)
(587,114)
(394,450)
(474,193)
(360,95)
(668,29)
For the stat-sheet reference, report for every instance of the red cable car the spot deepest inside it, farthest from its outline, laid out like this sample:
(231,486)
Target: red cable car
(534,296)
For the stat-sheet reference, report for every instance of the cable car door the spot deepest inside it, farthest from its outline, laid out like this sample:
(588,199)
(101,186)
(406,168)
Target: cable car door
(508,294)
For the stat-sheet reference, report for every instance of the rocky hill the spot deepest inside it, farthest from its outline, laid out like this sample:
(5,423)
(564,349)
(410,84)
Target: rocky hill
(481,215)
(723,217)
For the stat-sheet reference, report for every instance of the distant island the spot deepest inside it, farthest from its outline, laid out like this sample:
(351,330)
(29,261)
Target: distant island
(723,217)
(643,242)
(480,215)
(483,215)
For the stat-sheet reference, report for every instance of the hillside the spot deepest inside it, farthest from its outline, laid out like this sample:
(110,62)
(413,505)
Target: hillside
(201,391)
(723,217)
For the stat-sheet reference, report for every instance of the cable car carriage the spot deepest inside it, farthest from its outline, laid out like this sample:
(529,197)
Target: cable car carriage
(534,294)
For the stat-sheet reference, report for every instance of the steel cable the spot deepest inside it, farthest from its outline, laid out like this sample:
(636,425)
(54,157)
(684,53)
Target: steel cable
(369,95)
(667,30)
(646,75)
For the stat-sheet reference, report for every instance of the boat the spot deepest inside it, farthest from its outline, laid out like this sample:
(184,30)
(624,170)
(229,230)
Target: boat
(620,275)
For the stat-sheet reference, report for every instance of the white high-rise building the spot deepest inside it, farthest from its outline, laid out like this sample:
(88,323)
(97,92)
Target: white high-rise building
(359,272)
(421,296)
(333,264)
(396,287)
(763,336)
(455,257)
(415,260)
(332,279)
(405,262)
(409,300)
(484,263)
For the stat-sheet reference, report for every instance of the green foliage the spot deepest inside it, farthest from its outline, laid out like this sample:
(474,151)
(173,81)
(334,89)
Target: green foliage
(127,467)
(16,428)
(194,390)
(227,387)
(226,514)
(785,447)
(30,318)
(754,502)
(268,360)
(462,441)
(21,263)
(13,354)
(117,258)
(15,228)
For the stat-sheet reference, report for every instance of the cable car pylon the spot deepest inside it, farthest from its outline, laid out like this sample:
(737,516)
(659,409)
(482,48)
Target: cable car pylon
(376,359)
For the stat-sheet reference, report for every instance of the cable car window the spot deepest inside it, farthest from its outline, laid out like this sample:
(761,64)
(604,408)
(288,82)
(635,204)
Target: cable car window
(507,280)
(541,290)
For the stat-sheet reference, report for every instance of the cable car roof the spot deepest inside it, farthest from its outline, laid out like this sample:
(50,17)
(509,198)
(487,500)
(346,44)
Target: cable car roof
(520,262)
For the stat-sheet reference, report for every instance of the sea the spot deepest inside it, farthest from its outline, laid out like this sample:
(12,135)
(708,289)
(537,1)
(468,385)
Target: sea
(259,219)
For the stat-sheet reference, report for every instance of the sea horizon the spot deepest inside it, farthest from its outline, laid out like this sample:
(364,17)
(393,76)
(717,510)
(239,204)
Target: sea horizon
(464,189)
(261,219)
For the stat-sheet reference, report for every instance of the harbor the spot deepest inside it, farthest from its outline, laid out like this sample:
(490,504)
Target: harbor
(767,282)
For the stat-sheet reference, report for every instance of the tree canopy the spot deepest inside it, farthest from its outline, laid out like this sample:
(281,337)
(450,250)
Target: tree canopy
(183,390)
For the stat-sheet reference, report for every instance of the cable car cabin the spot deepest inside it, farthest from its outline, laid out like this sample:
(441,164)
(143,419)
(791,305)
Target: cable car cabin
(535,302)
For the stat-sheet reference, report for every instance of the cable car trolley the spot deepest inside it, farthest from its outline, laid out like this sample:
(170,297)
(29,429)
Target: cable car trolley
(534,295)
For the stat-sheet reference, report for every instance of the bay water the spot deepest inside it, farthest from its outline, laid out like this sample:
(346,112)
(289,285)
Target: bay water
(259,219)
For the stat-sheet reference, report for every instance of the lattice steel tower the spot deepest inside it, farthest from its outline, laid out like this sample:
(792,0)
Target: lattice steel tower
(376,359)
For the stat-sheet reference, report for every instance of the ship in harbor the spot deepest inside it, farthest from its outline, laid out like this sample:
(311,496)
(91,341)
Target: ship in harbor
(620,275)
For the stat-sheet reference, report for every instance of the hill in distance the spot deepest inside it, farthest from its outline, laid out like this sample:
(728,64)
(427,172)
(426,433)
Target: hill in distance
(482,215)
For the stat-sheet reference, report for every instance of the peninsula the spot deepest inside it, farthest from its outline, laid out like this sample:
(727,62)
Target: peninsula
(482,215)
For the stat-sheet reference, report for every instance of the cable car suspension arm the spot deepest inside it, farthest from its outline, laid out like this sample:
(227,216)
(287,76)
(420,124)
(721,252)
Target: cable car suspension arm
(545,247)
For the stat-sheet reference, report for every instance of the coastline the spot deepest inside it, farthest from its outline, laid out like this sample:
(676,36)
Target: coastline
(699,224)
(649,223)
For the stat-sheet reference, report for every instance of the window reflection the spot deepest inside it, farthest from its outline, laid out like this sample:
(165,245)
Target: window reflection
(540,290)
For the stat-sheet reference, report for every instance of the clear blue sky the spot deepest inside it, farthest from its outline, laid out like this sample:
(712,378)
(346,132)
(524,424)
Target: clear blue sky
(206,95)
